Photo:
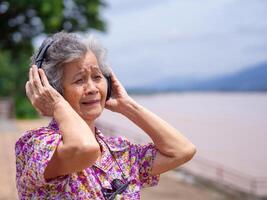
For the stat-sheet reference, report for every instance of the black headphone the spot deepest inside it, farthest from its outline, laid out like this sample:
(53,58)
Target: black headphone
(41,56)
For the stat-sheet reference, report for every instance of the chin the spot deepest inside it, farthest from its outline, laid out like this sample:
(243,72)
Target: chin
(91,116)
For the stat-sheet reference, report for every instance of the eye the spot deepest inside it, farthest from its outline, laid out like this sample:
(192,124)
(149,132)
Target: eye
(79,81)
(98,77)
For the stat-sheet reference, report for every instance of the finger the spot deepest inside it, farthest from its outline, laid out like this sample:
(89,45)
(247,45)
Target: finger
(34,100)
(43,77)
(113,76)
(30,94)
(33,88)
(30,75)
(115,80)
(36,77)
(28,90)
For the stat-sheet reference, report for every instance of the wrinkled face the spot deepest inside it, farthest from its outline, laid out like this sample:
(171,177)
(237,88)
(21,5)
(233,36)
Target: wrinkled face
(85,87)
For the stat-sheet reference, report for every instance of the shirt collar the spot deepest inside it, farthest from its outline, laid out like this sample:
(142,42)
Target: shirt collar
(104,162)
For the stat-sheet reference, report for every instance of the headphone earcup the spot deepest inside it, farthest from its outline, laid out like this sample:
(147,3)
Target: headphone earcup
(109,89)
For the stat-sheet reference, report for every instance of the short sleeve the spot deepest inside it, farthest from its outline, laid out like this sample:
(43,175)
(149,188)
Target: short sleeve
(145,155)
(37,152)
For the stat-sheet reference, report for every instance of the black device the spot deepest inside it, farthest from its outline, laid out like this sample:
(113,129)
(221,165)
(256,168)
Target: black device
(41,56)
(118,185)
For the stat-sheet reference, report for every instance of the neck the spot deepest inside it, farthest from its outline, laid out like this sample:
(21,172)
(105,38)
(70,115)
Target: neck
(91,124)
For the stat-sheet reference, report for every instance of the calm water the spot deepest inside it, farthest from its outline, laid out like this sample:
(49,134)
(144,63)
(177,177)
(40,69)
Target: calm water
(229,128)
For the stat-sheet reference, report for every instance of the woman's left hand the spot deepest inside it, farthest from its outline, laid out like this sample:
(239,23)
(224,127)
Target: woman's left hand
(119,96)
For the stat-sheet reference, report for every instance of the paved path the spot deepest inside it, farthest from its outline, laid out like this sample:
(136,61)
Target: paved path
(7,125)
(7,166)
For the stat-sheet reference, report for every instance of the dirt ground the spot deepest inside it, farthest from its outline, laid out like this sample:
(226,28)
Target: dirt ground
(170,186)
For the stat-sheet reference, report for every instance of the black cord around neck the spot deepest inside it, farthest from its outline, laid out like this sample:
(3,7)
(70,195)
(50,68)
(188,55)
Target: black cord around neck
(123,175)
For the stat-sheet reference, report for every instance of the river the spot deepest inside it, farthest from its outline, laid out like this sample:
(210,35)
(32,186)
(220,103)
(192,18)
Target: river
(227,128)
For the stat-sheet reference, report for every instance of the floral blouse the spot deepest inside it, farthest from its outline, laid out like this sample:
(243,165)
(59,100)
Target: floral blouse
(35,148)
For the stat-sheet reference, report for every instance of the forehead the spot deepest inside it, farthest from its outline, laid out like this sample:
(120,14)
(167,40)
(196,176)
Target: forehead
(86,63)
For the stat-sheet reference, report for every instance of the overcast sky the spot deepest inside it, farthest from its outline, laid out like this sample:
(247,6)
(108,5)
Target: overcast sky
(148,40)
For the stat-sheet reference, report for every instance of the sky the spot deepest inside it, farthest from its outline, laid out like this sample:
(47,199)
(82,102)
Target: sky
(154,39)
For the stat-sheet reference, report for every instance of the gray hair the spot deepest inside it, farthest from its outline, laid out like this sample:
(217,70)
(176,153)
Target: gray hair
(65,48)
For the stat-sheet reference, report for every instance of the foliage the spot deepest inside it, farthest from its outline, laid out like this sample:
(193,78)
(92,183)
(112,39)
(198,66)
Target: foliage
(21,21)
(7,82)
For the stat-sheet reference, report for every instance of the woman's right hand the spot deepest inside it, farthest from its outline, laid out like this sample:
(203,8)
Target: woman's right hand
(42,95)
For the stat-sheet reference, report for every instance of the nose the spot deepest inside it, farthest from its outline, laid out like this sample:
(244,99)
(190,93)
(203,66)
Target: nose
(91,87)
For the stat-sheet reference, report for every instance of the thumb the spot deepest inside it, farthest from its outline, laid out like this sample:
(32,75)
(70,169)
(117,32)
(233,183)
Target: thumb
(110,104)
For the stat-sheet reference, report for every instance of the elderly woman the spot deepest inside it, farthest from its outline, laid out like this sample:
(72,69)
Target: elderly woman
(71,158)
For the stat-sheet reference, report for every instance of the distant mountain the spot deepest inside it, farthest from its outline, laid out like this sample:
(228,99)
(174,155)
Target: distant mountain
(253,78)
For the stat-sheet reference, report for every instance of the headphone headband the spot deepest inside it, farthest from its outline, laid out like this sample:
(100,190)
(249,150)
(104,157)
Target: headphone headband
(41,54)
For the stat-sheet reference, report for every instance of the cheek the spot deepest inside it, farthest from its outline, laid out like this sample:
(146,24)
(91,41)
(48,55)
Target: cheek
(72,96)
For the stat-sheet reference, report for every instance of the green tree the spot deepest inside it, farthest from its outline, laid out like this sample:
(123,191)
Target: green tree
(23,20)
